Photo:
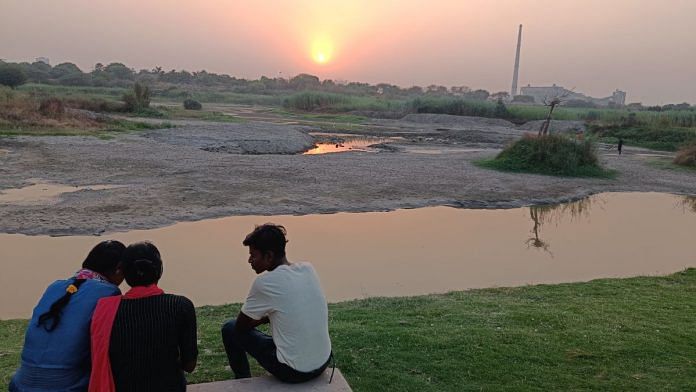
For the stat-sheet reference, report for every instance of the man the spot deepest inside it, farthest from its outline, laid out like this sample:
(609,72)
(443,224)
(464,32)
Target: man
(289,297)
(620,145)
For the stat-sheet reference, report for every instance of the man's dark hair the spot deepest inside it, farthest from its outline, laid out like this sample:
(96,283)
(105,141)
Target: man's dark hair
(142,264)
(268,237)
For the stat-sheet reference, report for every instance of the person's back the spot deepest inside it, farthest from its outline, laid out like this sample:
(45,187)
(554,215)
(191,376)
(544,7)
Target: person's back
(56,351)
(144,340)
(147,337)
(291,296)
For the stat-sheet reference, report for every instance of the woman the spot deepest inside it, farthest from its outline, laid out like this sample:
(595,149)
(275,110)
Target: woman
(56,353)
(144,340)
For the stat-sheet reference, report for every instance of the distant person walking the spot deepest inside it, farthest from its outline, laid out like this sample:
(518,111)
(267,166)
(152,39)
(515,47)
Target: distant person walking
(145,339)
(620,145)
(56,353)
(289,297)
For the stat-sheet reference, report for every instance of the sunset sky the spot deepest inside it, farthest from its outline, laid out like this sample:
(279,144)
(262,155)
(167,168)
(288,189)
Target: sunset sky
(647,48)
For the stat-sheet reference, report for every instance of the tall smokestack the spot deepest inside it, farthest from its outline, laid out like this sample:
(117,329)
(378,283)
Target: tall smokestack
(513,91)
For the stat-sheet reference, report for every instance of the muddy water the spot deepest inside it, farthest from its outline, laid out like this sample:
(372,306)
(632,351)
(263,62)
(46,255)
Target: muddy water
(404,252)
(43,193)
(344,143)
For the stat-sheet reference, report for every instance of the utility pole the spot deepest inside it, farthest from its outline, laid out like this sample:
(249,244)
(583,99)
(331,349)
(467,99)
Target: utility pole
(515,74)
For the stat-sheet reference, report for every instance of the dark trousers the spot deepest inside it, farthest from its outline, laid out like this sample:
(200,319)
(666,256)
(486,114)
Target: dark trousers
(261,347)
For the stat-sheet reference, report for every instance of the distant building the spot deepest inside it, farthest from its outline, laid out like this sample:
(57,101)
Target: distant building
(542,94)
(43,60)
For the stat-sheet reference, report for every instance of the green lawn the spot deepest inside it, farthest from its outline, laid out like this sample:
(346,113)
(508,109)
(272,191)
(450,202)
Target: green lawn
(609,334)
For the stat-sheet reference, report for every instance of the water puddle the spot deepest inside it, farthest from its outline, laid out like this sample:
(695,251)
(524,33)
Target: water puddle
(403,252)
(328,143)
(43,193)
(439,150)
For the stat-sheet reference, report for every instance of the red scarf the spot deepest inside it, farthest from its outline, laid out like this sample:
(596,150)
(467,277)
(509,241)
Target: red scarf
(101,379)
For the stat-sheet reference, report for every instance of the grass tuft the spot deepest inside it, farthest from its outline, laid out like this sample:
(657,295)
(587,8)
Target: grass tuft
(552,155)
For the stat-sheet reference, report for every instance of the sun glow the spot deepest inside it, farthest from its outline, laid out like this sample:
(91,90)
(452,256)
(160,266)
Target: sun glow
(322,50)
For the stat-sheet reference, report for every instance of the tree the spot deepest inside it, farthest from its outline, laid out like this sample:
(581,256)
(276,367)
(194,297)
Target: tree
(63,69)
(500,96)
(523,99)
(304,82)
(552,103)
(12,76)
(138,99)
(119,71)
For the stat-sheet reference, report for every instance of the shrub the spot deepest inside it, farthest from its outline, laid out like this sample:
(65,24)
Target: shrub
(191,104)
(309,101)
(138,99)
(52,107)
(12,76)
(550,154)
(686,156)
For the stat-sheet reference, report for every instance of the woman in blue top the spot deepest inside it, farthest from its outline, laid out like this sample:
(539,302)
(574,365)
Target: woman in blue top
(56,353)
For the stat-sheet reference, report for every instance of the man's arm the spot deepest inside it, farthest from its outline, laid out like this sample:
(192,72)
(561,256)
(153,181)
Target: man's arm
(245,323)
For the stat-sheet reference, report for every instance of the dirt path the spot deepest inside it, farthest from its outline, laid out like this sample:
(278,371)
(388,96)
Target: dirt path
(202,170)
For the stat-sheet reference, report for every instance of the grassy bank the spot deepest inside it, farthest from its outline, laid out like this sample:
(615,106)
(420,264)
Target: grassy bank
(609,334)
(555,155)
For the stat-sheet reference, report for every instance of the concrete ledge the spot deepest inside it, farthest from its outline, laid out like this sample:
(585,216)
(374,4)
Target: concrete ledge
(271,384)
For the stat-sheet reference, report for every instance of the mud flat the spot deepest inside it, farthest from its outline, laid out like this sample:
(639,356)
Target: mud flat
(202,170)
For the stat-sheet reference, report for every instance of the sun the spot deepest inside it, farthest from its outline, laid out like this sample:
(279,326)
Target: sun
(322,50)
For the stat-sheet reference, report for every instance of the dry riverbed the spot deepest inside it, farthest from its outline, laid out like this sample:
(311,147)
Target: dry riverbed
(203,169)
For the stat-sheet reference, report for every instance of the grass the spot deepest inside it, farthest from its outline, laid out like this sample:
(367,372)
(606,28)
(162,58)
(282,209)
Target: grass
(686,156)
(551,155)
(610,334)
(665,139)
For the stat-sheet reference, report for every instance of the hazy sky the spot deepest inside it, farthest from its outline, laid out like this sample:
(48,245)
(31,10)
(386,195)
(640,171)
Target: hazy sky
(645,47)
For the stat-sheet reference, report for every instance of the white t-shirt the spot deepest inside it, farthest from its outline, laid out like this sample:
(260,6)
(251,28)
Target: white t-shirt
(291,297)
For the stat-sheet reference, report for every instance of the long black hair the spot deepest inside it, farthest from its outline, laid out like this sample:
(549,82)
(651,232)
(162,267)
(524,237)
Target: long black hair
(142,264)
(104,258)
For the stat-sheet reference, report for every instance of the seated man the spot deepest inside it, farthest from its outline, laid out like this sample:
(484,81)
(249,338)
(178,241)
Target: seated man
(290,298)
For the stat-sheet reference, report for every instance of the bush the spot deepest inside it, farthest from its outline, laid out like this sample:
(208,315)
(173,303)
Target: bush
(52,107)
(12,76)
(309,101)
(550,154)
(686,156)
(191,104)
(137,100)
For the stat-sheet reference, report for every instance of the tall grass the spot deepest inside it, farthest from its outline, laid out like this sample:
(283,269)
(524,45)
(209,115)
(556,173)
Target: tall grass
(552,154)
(686,155)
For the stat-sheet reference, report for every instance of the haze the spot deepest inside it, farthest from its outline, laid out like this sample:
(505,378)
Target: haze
(643,47)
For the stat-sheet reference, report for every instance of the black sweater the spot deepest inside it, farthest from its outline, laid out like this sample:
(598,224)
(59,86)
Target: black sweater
(151,338)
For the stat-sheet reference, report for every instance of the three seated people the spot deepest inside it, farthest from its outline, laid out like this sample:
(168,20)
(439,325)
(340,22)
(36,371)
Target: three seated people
(85,336)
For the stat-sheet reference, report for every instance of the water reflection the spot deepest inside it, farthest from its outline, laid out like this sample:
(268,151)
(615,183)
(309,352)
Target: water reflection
(333,143)
(554,213)
(689,203)
(404,252)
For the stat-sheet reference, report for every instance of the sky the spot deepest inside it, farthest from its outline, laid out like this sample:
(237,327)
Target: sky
(646,48)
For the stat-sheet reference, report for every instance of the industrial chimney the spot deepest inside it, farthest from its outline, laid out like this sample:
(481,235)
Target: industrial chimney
(513,91)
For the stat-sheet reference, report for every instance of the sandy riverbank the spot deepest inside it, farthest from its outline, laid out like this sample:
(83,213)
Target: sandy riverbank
(202,169)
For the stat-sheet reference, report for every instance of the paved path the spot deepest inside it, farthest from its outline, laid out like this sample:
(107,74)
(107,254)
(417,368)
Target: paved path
(270,384)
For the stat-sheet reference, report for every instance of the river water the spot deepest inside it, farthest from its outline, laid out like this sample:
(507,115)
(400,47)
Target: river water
(397,253)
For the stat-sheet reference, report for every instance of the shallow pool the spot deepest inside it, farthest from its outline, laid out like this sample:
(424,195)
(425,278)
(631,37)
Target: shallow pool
(403,252)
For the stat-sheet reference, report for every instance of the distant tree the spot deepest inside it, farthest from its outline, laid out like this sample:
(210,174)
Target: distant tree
(63,69)
(635,106)
(12,75)
(460,90)
(138,99)
(414,90)
(119,71)
(523,99)
(435,89)
(39,71)
(500,96)
(304,82)
(501,110)
(480,95)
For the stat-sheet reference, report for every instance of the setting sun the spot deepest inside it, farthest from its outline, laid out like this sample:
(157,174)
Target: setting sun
(322,50)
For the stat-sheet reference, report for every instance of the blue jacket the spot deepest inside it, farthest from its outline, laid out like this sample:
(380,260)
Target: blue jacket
(60,360)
